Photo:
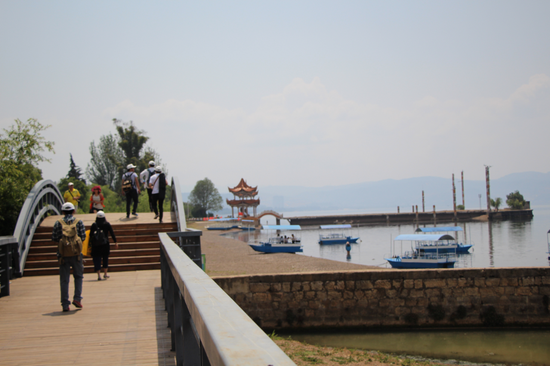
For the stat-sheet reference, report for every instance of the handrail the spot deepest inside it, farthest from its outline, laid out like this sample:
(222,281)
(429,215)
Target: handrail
(208,327)
(43,199)
(8,245)
(176,205)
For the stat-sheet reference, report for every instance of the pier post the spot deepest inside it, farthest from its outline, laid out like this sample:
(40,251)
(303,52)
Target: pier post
(423,208)
(435,216)
(488,182)
(454,198)
(397,209)
(462,179)
(417,221)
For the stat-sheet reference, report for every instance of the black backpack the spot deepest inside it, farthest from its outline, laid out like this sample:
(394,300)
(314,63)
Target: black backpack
(127,183)
(99,238)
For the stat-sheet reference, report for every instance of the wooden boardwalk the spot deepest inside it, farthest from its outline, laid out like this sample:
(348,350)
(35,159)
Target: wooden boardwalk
(123,322)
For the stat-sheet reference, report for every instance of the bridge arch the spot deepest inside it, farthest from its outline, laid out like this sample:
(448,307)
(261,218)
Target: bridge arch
(43,200)
(278,216)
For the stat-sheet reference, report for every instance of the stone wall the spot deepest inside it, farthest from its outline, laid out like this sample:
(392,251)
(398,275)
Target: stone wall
(395,298)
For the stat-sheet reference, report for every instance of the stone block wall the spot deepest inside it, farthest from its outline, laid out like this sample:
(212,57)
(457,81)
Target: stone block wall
(395,298)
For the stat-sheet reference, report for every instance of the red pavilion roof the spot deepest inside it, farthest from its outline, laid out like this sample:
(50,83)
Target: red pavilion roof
(243,189)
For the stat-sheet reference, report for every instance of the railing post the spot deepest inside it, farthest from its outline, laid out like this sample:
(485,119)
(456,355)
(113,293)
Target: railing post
(191,350)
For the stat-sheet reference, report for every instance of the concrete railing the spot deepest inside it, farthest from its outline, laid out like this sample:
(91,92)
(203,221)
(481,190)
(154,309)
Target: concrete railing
(208,327)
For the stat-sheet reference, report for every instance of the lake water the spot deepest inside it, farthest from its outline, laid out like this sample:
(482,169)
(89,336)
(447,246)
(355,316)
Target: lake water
(496,244)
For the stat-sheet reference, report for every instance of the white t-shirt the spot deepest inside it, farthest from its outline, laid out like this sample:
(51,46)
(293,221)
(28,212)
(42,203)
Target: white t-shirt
(155,181)
(143,176)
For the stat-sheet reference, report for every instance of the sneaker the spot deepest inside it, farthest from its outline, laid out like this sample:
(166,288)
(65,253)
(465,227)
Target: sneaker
(77,303)
(156,217)
(135,214)
(66,309)
(160,221)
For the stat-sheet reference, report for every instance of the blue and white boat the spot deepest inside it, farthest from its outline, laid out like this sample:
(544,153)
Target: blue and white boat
(339,237)
(223,224)
(415,259)
(448,247)
(279,244)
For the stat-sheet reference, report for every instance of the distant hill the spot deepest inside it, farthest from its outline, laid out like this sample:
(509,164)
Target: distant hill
(386,195)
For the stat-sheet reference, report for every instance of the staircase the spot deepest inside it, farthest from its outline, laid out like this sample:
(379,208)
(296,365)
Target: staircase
(138,249)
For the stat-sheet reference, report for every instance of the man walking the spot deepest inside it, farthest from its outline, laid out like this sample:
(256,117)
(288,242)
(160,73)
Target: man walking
(130,187)
(145,176)
(69,233)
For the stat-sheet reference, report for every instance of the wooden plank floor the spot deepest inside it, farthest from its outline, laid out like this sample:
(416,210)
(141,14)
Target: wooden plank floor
(115,218)
(123,322)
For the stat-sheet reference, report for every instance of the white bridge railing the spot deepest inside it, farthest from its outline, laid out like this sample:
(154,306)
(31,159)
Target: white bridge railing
(208,327)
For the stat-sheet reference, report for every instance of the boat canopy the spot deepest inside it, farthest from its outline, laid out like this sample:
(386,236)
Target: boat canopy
(424,237)
(438,229)
(343,226)
(281,227)
(247,220)
(226,219)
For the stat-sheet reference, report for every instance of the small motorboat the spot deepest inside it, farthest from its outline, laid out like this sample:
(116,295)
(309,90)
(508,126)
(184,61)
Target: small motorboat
(333,237)
(279,244)
(414,259)
(449,247)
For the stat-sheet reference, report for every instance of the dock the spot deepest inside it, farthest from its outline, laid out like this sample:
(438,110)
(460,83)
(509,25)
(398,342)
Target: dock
(408,218)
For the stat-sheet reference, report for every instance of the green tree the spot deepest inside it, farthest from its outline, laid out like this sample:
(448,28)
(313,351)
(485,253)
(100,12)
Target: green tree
(496,203)
(205,197)
(75,171)
(21,149)
(131,141)
(103,168)
(515,200)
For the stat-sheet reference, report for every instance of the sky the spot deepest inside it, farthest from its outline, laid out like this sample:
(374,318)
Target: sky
(302,93)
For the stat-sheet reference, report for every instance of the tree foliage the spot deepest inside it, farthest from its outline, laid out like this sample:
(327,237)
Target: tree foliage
(131,141)
(205,197)
(21,149)
(75,171)
(496,203)
(106,160)
(515,200)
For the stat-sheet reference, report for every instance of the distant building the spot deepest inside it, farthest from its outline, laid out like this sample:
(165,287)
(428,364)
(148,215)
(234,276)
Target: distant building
(243,198)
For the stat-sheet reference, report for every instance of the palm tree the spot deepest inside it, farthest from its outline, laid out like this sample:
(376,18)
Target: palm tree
(496,202)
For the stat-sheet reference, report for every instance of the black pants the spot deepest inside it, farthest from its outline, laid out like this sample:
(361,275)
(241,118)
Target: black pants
(151,201)
(131,195)
(160,199)
(97,262)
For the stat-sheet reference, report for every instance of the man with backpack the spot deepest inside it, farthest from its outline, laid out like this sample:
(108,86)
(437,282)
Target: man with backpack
(130,187)
(69,233)
(145,176)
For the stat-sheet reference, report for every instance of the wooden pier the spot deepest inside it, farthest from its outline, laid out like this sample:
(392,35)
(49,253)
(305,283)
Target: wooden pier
(407,218)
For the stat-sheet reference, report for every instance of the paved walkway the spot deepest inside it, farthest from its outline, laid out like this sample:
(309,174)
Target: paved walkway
(123,322)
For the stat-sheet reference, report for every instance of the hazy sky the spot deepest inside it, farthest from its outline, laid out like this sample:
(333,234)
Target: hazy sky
(309,93)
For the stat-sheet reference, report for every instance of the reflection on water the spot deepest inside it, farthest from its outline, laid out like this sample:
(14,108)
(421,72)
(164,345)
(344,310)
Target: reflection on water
(502,346)
(496,244)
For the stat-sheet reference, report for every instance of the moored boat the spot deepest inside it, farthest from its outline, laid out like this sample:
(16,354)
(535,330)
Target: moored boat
(223,224)
(279,244)
(415,259)
(448,247)
(339,237)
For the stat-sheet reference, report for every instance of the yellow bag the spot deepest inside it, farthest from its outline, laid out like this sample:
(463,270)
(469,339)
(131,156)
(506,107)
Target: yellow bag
(86,248)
